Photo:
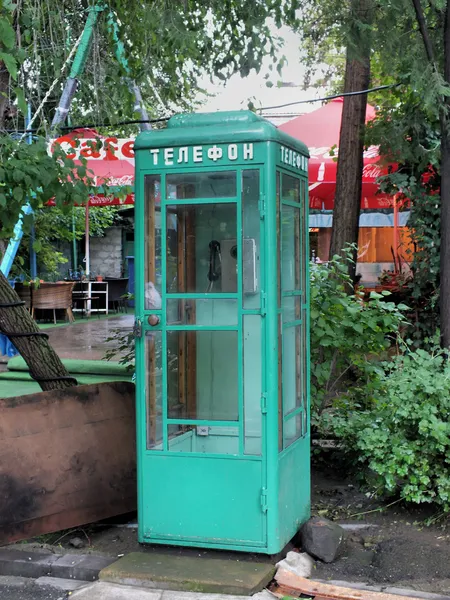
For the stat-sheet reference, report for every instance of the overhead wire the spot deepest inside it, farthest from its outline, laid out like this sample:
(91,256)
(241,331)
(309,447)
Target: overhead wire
(164,119)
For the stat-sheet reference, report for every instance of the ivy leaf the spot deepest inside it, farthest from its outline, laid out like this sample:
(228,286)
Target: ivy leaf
(2,200)
(21,102)
(18,194)
(10,63)
(7,34)
(37,246)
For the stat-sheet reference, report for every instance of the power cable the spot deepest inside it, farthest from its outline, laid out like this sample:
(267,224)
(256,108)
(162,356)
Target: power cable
(164,119)
(358,93)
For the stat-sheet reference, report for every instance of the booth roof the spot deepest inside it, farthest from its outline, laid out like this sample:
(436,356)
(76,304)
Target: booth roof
(216,128)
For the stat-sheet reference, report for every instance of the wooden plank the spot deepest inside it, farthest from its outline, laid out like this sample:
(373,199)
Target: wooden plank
(290,583)
(67,458)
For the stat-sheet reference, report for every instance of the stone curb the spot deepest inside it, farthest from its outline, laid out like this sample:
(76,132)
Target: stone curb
(64,566)
(386,589)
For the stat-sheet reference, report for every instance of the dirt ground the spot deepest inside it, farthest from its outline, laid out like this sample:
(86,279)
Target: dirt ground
(397,548)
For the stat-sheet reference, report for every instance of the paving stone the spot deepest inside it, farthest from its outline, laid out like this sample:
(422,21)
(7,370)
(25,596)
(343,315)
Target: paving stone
(187,573)
(264,595)
(39,564)
(170,595)
(353,585)
(26,564)
(415,593)
(80,566)
(12,581)
(61,584)
(101,590)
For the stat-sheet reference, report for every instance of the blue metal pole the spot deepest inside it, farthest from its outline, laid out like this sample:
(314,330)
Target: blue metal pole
(33,259)
(14,243)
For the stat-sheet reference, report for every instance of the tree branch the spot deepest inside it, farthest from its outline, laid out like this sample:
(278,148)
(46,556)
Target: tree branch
(424,32)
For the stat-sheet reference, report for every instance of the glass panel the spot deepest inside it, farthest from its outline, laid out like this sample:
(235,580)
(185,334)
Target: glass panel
(152,253)
(218,184)
(292,368)
(290,248)
(290,188)
(200,248)
(153,390)
(252,384)
(293,429)
(202,312)
(202,375)
(204,439)
(291,308)
(250,239)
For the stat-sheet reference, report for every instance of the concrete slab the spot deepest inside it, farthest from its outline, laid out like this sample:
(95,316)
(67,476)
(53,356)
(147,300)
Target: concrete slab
(67,585)
(188,573)
(111,591)
(102,590)
(168,595)
(41,564)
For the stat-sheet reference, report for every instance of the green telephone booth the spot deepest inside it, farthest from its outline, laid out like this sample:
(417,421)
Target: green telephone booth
(222,350)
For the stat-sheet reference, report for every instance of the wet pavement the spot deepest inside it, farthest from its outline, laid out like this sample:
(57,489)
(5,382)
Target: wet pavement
(86,339)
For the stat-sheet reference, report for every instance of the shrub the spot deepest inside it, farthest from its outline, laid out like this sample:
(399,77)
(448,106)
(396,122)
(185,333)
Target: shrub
(349,337)
(402,439)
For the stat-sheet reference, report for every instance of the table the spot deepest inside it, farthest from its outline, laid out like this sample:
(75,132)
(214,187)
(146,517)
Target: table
(86,290)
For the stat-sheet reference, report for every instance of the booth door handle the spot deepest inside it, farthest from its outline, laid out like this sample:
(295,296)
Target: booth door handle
(153,320)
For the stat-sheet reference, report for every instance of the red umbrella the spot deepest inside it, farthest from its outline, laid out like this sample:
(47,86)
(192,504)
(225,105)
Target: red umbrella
(319,130)
(112,165)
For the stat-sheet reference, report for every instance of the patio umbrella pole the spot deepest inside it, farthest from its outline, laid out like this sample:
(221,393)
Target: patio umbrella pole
(87,259)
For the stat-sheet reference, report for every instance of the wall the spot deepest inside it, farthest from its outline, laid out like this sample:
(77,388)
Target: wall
(106,253)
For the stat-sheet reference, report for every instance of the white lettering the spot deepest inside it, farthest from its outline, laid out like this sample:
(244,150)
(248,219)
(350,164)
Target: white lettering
(215,153)
(248,151)
(198,153)
(182,154)
(168,156)
(232,152)
(293,158)
(154,152)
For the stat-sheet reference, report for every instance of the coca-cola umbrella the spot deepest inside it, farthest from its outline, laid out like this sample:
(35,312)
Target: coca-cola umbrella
(319,130)
(110,165)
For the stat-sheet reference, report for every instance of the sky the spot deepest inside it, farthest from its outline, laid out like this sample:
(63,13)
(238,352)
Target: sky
(237,91)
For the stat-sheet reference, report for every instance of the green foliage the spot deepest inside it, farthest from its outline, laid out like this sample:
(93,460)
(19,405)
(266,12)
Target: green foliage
(122,347)
(28,173)
(169,48)
(401,436)
(52,226)
(405,128)
(349,337)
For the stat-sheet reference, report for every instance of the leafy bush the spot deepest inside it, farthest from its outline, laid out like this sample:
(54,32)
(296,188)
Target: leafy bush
(402,439)
(349,337)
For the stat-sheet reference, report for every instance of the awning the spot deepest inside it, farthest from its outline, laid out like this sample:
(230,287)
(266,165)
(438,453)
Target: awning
(369,219)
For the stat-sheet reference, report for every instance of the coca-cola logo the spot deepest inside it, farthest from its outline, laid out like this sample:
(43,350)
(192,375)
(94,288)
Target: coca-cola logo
(372,171)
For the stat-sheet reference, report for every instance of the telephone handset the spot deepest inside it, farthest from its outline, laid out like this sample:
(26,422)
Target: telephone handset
(215,263)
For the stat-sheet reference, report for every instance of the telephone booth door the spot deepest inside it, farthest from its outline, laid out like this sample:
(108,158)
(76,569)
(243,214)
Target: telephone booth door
(203,469)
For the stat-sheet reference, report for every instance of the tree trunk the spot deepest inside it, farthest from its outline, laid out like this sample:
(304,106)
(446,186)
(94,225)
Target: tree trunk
(444,300)
(44,364)
(347,200)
